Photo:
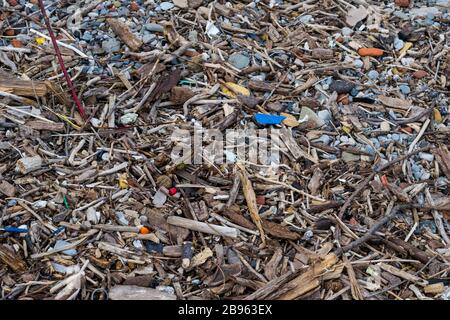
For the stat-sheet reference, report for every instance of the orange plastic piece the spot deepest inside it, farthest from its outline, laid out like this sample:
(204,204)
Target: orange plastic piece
(370,52)
(144,230)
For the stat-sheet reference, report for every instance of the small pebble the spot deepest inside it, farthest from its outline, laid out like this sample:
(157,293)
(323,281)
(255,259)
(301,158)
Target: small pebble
(134,6)
(425,176)
(239,60)
(404,89)
(148,37)
(87,36)
(306,18)
(419,74)
(426,156)
(398,44)
(341,86)
(402,3)
(120,217)
(358,63)
(373,75)
(62,243)
(325,139)
(350,157)
(324,115)
(111,45)
(153,27)
(346,31)
(166,6)
(407,61)
(128,118)
(385,126)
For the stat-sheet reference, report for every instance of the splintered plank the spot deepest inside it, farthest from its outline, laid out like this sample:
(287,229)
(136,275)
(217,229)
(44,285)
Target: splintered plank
(250,197)
(293,147)
(28,88)
(310,279)
(10,258)
(124,33)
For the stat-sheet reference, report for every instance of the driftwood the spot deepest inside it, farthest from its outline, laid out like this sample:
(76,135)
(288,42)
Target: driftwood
(124,33)
(20,87)
(138,293)
(310,279)
(203,227)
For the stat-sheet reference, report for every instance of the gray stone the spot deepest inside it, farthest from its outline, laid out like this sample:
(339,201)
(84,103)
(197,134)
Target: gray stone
(398,44)
(373,75)
(166,6)
(128,118)
(153,27)
(92,215)
(358,63)
(111,45)
(385,126)
(324,115)
(424,11)
(193,36)
(426,156)
(61,243)
(349,157)
(326,139)
(404,89)
(239,60)
(370,150)
(425,175)
(306,18)
(346,31)
(148,37)
(120,217)
(87,36)
(306,114)
(159,198)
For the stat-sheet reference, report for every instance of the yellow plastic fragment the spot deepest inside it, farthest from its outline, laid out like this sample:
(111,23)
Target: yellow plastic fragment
(64,118)
(40,40)
(290,210)
(406,47)
(437,116)
(235,89)
(346,129)
(123,183)
(290,120)
(265,37)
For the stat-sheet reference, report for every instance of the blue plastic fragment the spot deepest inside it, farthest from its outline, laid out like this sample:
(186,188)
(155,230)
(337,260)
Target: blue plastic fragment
(58,230)
(14,230)
(153,247)
(262,118)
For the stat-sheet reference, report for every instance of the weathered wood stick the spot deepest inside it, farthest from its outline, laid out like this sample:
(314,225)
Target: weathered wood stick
(310,279)
(124,33)
(203,227)
(44,125)
(28,164)
(23,87)
(12,260)
(114,169)
(173,251)
(108,227)
(121,292)
(66,247)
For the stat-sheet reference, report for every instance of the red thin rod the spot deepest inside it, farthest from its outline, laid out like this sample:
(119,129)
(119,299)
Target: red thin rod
(61,62)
